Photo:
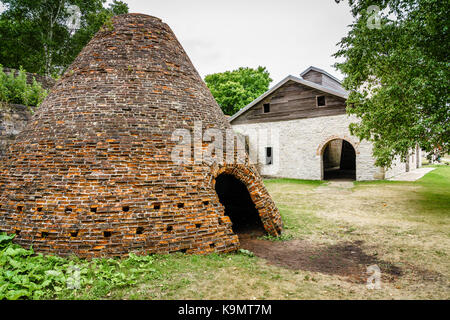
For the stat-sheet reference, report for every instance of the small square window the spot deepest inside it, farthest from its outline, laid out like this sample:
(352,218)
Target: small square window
(269,156)
(266,107)
(321,101)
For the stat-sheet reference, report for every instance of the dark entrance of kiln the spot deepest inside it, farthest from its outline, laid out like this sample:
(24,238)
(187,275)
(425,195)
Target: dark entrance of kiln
(234,196)
(339,161)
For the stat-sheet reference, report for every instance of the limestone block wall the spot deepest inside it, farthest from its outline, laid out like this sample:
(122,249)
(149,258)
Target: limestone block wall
(414,162)
(332,154)
(397,168)
(414,159)
(298,146)
(13,119)
(419,155)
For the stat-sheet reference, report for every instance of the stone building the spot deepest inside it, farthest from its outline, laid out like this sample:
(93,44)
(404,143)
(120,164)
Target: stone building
(299,129)
(15,117)
(92,173)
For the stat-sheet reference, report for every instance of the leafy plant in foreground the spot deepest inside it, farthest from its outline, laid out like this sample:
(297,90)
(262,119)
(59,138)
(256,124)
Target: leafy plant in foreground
(26,275)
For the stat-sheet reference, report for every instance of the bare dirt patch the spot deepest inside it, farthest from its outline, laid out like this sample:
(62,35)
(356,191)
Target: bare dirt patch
(343,259)
(402,227)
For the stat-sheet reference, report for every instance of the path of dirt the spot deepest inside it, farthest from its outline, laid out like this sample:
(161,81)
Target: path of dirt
(344,259)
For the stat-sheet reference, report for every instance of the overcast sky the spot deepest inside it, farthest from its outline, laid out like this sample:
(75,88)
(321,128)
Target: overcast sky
(286,36)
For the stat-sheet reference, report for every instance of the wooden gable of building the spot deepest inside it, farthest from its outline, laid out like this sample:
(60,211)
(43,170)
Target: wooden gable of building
(292,101)
(322,78)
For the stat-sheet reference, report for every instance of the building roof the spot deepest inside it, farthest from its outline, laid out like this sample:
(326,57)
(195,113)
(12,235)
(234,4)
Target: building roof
(312,68)
(342,94)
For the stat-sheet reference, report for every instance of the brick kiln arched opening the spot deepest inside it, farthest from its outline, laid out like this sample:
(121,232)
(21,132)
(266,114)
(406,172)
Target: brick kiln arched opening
(339,160)
(239,206)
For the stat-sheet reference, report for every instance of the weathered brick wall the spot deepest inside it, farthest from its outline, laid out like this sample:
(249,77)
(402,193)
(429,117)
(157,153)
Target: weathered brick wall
(92,173)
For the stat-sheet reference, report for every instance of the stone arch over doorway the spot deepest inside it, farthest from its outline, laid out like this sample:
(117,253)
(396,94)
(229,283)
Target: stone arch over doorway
(338,158)
(263,204)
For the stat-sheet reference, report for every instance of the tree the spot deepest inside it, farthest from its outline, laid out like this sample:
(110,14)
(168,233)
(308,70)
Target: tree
(45,36)
(396,63)
(233,90)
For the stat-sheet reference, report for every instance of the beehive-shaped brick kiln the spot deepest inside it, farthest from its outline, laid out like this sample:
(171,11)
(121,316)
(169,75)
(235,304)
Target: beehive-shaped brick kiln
(92,174)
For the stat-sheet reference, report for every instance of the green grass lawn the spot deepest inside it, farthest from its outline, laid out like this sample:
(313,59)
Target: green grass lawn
(435,192)
(405,224)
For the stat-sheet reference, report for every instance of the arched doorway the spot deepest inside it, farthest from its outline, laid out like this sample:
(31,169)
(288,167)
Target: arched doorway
(234,196)
(339,160)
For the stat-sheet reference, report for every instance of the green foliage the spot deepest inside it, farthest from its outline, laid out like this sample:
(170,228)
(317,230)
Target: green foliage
(233,90)
(25,275)
(398,75)
(283,237)
(36,35)
(5,239)
(108,26)
(434,196)
(14,89)
(246,253)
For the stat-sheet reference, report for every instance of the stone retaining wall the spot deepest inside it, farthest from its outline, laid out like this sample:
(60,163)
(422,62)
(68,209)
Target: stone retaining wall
(13,119)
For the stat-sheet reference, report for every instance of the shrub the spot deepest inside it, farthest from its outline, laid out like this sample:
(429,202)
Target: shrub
(15,89)
(26,275)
